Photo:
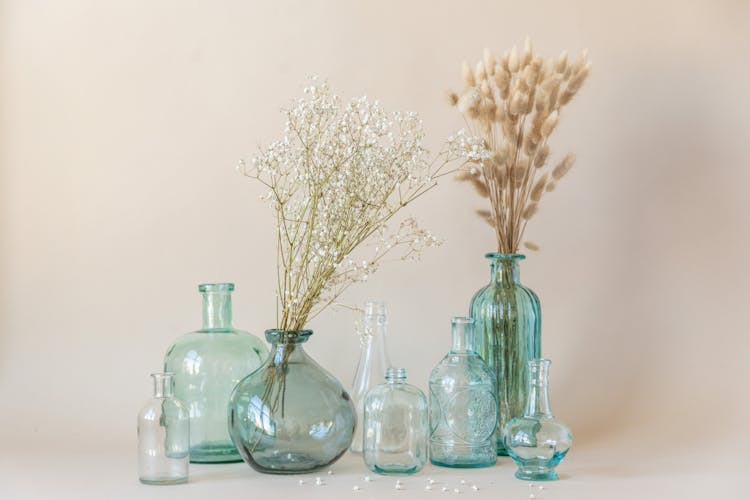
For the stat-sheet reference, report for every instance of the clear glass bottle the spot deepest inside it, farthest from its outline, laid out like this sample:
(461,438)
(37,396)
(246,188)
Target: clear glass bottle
(395,426)
(207,364)
(537,441)
(373,361)
(509,334)
(163,436)
(463,408)
(290,416)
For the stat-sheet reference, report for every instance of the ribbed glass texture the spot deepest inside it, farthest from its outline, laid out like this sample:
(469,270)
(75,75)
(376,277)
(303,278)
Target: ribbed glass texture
(508,328)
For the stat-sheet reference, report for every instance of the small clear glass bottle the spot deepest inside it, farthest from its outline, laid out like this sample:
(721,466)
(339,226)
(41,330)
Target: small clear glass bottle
(537,441)
(463,408)
(207,364)
(395,426)
(163,436)
(373,361)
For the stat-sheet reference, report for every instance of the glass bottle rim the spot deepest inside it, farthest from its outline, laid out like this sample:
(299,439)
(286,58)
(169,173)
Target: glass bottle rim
(276,336)
(215,287)
(504,256)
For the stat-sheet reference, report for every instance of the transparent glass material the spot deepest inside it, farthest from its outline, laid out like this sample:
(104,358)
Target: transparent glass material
(463,408)
(207,365)
(537,441)
(508,328)
(163,436)
(373,361)
(395,426)
(290,416)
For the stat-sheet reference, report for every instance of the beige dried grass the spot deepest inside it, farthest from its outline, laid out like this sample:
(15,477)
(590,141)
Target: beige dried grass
(514,103)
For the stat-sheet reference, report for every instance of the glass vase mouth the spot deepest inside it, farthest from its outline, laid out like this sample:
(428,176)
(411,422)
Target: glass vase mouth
(215,287)
(276,336)
(504,256)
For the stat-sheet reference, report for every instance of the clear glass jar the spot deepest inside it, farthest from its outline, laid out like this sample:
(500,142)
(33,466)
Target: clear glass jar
(290,416)
(537,442)
(373,361)
(207,364)
(509,334)
(463,408)
(395,426)
(163,436)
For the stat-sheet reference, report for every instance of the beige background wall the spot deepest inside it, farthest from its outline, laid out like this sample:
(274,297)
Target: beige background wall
(122,123)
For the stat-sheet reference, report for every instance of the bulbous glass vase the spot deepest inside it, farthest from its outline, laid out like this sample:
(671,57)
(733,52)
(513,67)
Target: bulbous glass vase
(508,329)
(290,416)
(207,364)
(537,441)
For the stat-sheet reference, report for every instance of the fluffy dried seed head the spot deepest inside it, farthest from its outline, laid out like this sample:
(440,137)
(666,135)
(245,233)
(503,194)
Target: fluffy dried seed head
(564,166)
(550,187)
(531,246)
(538,189)
(541,156)
(452,98)
(549,124)
(562,62)
(486,216)
(467,74)
(527,52)
(479,186)
(529,211)
(513,60)
(542,100)
(479,73)
(489,61)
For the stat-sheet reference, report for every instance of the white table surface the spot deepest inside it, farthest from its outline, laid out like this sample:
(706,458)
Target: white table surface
(592,471)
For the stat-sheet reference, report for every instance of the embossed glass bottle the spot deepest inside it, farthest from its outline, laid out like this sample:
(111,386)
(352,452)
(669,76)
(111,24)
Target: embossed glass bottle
(373,361)
(537,441)
(508,328)
(463,408)
(395,426)
(207,364)
(163,436)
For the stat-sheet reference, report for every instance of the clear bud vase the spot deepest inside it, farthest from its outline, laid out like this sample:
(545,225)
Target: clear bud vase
(163,436)
(537,441)
(373,361)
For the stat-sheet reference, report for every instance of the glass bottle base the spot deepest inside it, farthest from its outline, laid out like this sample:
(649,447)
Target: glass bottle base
(462,465)
(536,475)
(214,453)
(288,463)
(164,481)
(396,470)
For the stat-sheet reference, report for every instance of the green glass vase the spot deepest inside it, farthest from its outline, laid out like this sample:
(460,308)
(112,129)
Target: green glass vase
(207,364)
(508,322)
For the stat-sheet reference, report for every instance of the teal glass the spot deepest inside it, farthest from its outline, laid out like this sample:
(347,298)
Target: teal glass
(395,426)
(290,416)
(508,328)
(207,364)
(463,407)
(537,441)
(163,436)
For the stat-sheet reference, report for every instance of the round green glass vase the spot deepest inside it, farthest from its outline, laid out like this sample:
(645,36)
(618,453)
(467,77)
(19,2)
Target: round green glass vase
(508,323)
(207,364)
(290,416)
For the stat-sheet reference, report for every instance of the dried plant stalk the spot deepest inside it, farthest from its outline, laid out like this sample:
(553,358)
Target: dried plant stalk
(514,104)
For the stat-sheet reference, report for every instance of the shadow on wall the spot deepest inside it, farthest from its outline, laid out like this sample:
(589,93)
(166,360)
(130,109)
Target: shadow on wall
(642,362)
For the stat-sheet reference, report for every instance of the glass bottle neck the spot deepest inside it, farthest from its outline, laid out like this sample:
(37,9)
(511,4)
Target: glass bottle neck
(395,376)
(217,310)
(505,270)
(538,402)
(462,335)
(162,385)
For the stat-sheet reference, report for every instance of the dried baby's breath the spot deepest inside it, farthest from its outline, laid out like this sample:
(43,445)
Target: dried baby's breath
(514,103)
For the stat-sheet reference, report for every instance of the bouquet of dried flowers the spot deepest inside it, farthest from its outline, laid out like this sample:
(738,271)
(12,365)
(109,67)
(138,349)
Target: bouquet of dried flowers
(337,177)
(514,103)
